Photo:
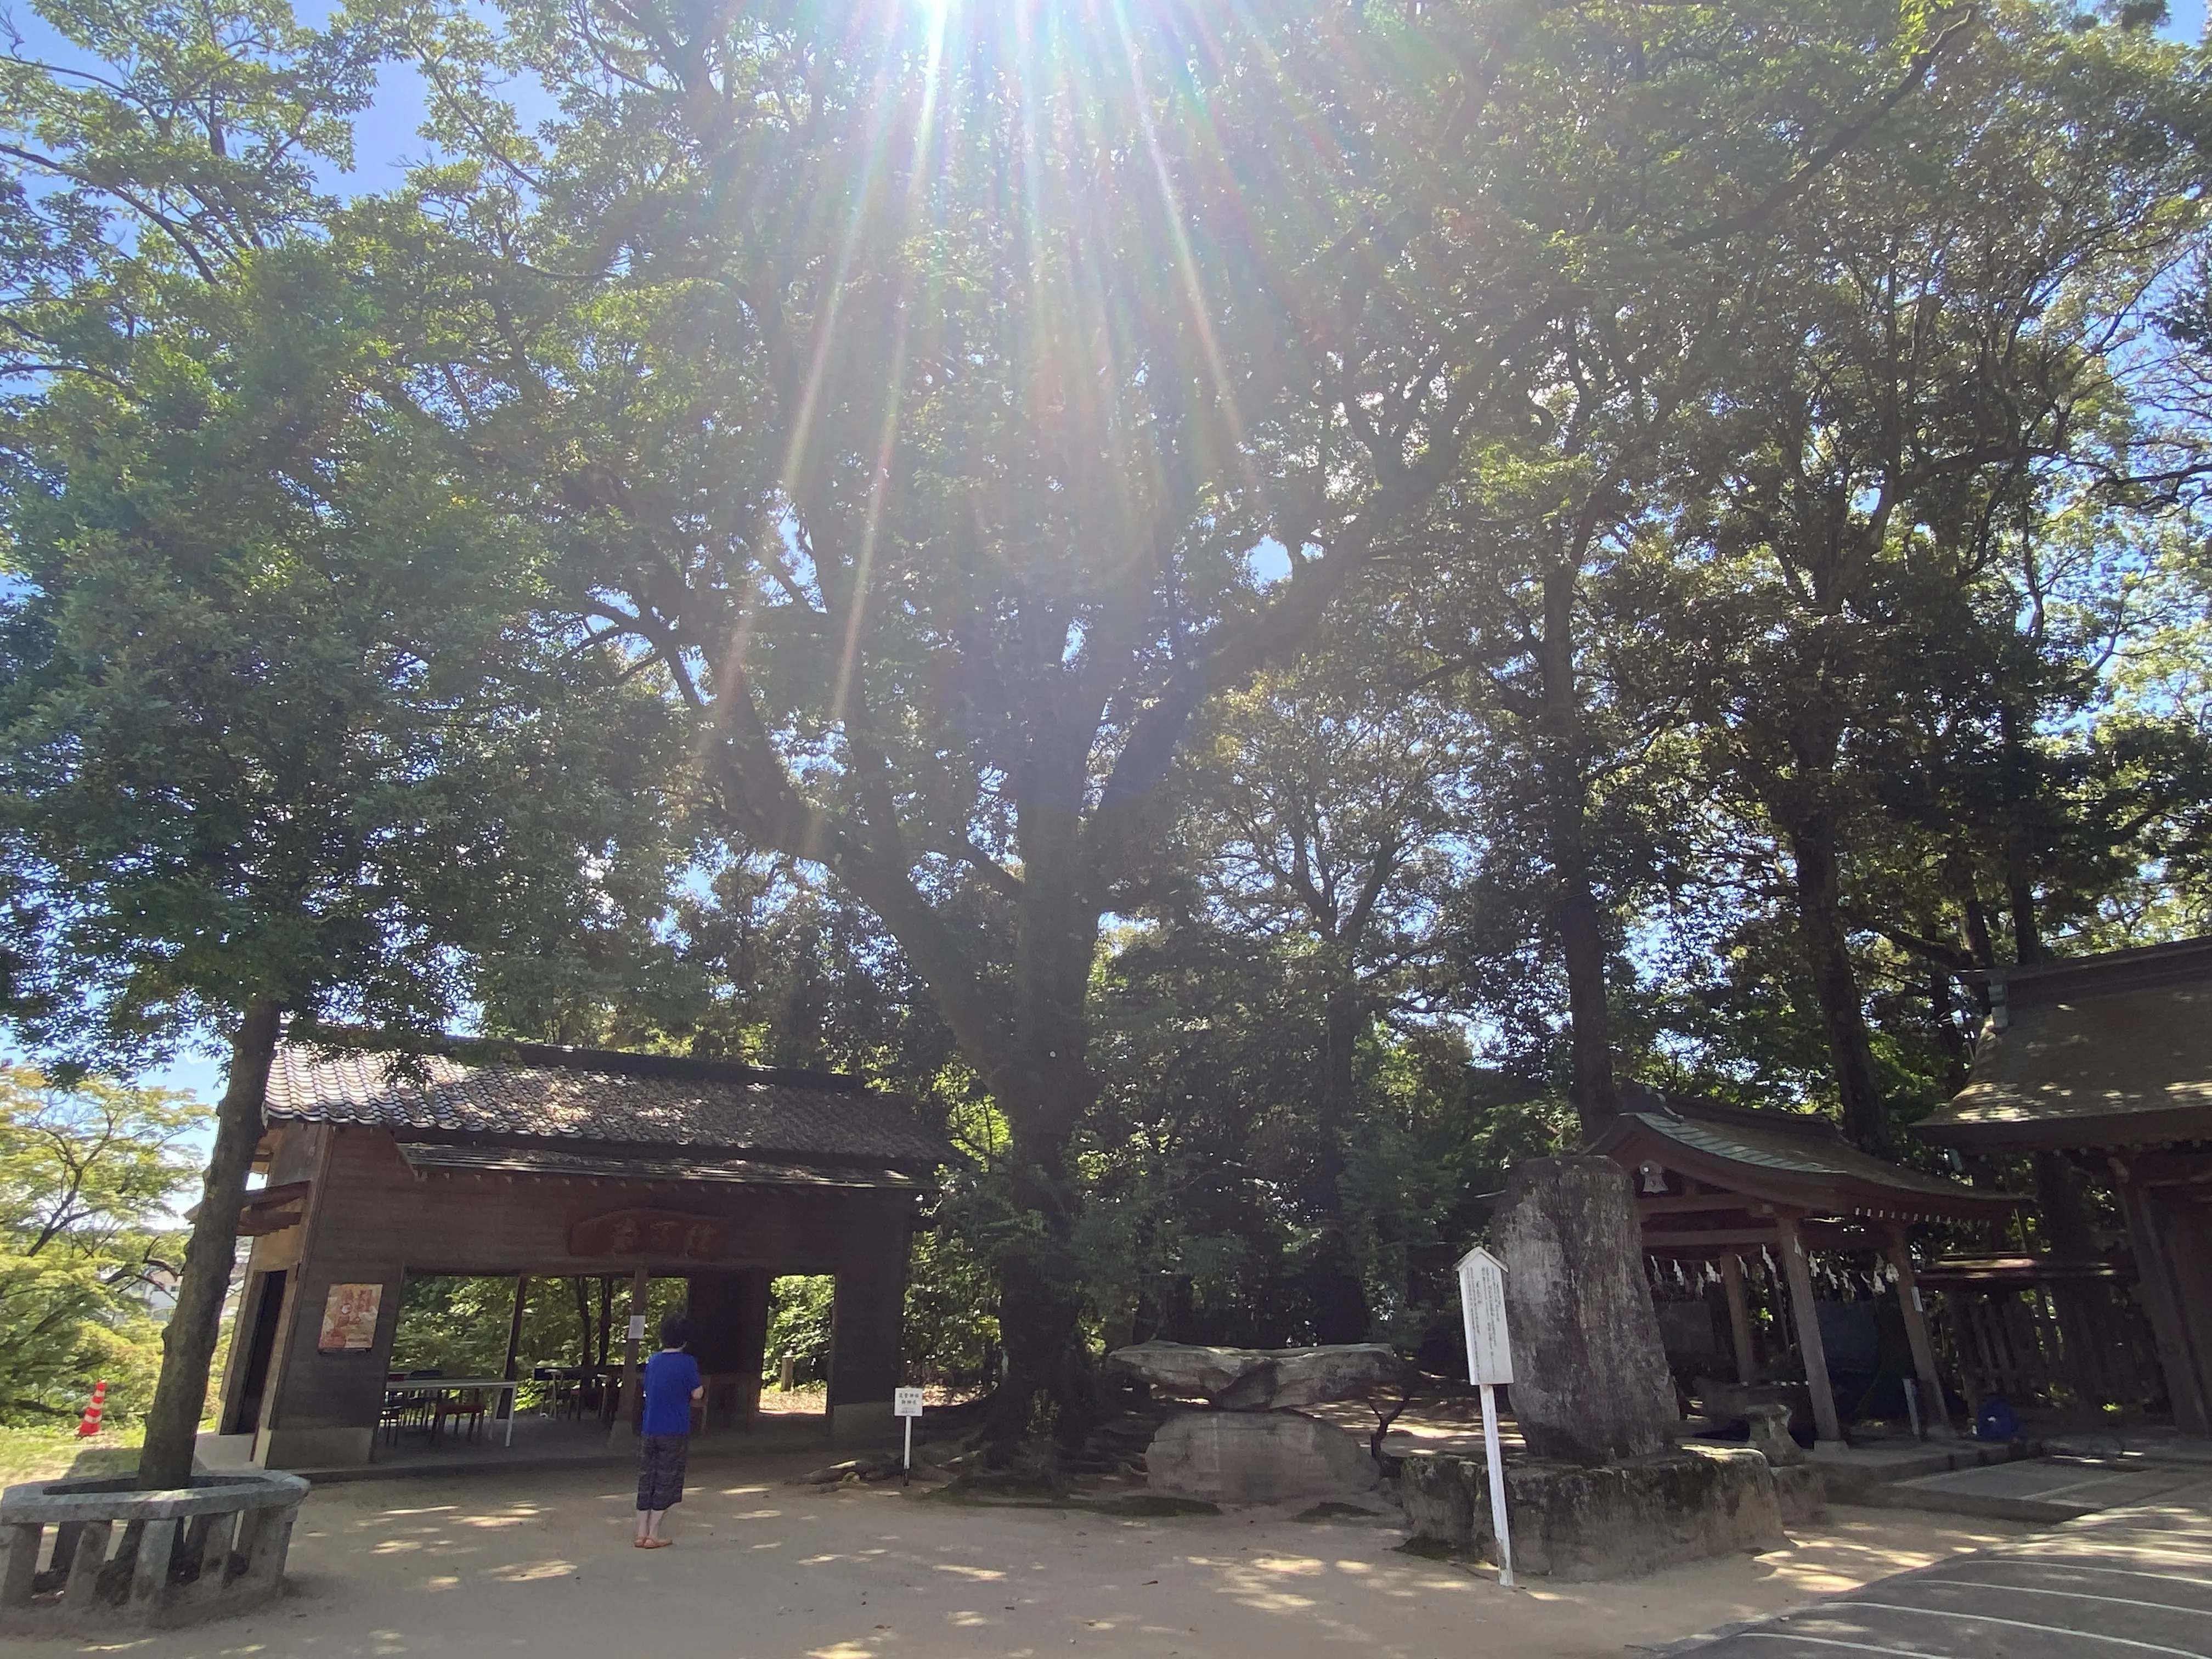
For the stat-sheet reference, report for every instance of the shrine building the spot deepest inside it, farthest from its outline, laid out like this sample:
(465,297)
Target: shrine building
(524,1160)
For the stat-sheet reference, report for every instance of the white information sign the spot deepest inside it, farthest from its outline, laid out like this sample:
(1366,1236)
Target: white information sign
(906,1405)
(637,1328)
(1482,1307)
(1489,1363)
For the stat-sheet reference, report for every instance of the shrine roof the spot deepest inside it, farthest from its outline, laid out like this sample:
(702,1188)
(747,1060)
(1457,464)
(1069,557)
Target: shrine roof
(1787,1158)
(2107,1050)
(462,1091)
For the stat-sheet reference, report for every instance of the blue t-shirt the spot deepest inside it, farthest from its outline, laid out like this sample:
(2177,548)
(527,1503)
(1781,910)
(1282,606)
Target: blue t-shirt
(669,1379)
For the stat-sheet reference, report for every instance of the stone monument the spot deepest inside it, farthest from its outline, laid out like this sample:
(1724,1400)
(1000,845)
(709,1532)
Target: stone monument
(1590,1372)
(1605,1491)
(1249,1443)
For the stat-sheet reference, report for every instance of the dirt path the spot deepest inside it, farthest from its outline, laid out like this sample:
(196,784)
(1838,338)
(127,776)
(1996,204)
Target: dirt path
(542,1565)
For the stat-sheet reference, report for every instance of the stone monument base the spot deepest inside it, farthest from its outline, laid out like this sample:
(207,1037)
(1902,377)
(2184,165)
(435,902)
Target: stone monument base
(1608,1521)
(1802,1492)
(1258,1457)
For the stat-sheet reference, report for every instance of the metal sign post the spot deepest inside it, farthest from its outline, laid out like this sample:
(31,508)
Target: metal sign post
(905,1404)
(1489,1363)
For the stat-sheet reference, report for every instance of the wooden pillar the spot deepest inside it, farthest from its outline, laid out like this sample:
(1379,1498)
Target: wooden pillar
(514,1338)
(624,1432)
(1739,1311)
(1826,1427)
(729,1331)
(868,1319)
(1933,1411)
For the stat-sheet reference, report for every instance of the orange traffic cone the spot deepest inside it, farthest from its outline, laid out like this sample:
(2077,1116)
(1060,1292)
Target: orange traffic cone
(90,1425)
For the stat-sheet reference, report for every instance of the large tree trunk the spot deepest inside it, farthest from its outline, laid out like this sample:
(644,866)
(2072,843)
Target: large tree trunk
(1575,914)
(1046,1090)
(1581,926)
(1040,1302)
(188,1342)
(1341,1312)
(1836,982)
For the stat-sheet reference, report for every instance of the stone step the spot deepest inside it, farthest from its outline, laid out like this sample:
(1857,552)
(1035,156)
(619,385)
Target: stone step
(2046,1491)
(1855,1473)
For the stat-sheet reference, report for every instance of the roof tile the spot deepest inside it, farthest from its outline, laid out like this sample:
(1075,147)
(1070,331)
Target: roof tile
(586,1095)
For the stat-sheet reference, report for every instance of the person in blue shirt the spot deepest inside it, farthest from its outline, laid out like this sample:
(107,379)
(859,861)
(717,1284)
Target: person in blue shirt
(672,1384)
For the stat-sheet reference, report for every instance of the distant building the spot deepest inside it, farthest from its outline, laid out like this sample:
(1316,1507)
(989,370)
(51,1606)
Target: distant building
(2108,1059)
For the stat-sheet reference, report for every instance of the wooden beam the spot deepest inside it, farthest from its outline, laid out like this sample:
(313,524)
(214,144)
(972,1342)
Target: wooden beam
(1933,1411)
(2170,1168)
(1739,1308)
(1810,1348)
(1708,1238)
(1679,1203)
(1817,1235)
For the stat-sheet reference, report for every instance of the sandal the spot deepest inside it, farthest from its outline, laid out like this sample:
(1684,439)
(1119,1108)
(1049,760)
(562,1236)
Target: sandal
(654,1543)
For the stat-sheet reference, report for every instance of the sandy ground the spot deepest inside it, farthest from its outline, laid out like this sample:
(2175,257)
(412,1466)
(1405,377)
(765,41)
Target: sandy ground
(541,1564)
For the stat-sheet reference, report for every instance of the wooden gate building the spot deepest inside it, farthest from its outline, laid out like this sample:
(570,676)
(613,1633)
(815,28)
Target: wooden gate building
(524,1159)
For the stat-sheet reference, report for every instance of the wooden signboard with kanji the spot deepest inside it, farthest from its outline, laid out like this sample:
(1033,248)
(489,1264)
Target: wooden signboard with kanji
(662,1233)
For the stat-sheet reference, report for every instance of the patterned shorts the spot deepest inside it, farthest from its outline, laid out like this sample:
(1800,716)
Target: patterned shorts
(660,1462)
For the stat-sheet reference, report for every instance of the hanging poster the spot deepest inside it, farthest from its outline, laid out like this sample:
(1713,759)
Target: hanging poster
(349,1318)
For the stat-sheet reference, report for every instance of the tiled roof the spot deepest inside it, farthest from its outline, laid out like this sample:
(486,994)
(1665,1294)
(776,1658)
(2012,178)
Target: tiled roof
(524,1092)
(1787,1153)
(2091,1068)
(1785,1158)
(478,1158)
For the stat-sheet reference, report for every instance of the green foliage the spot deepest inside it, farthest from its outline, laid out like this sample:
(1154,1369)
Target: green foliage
(87,1242)
(458,1326)
(952,1311)
(275,720)
(798,1325)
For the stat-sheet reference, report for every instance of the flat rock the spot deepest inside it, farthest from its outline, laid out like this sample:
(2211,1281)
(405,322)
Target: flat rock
(1258,1457)
(1262,1379)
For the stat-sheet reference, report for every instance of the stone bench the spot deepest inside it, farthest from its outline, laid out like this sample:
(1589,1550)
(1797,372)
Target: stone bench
(124,1559)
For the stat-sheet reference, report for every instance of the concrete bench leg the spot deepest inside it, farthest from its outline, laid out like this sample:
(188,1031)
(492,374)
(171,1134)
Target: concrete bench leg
(65,1537)
(150,1571)
(15,1578)
(88,1555)
(207,1542)
(272,1536)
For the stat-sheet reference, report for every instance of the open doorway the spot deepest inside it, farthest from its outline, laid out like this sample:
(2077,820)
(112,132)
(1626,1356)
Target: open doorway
(796,1363)
(267,1312)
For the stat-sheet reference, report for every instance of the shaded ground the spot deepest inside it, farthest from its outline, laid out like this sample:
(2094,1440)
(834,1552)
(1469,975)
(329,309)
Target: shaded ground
(52,1450)
(541,1564)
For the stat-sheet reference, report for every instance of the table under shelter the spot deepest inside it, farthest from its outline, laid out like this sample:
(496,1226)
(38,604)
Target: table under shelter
(527,1160)
(2106,1060)
(1716,1182)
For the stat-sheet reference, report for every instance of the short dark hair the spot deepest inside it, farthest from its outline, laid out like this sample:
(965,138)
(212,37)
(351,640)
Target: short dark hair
(675,1331)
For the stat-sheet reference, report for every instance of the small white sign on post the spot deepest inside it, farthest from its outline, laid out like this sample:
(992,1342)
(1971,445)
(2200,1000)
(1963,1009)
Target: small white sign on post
(906,1405)
(637,1328)
(1489,1363)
